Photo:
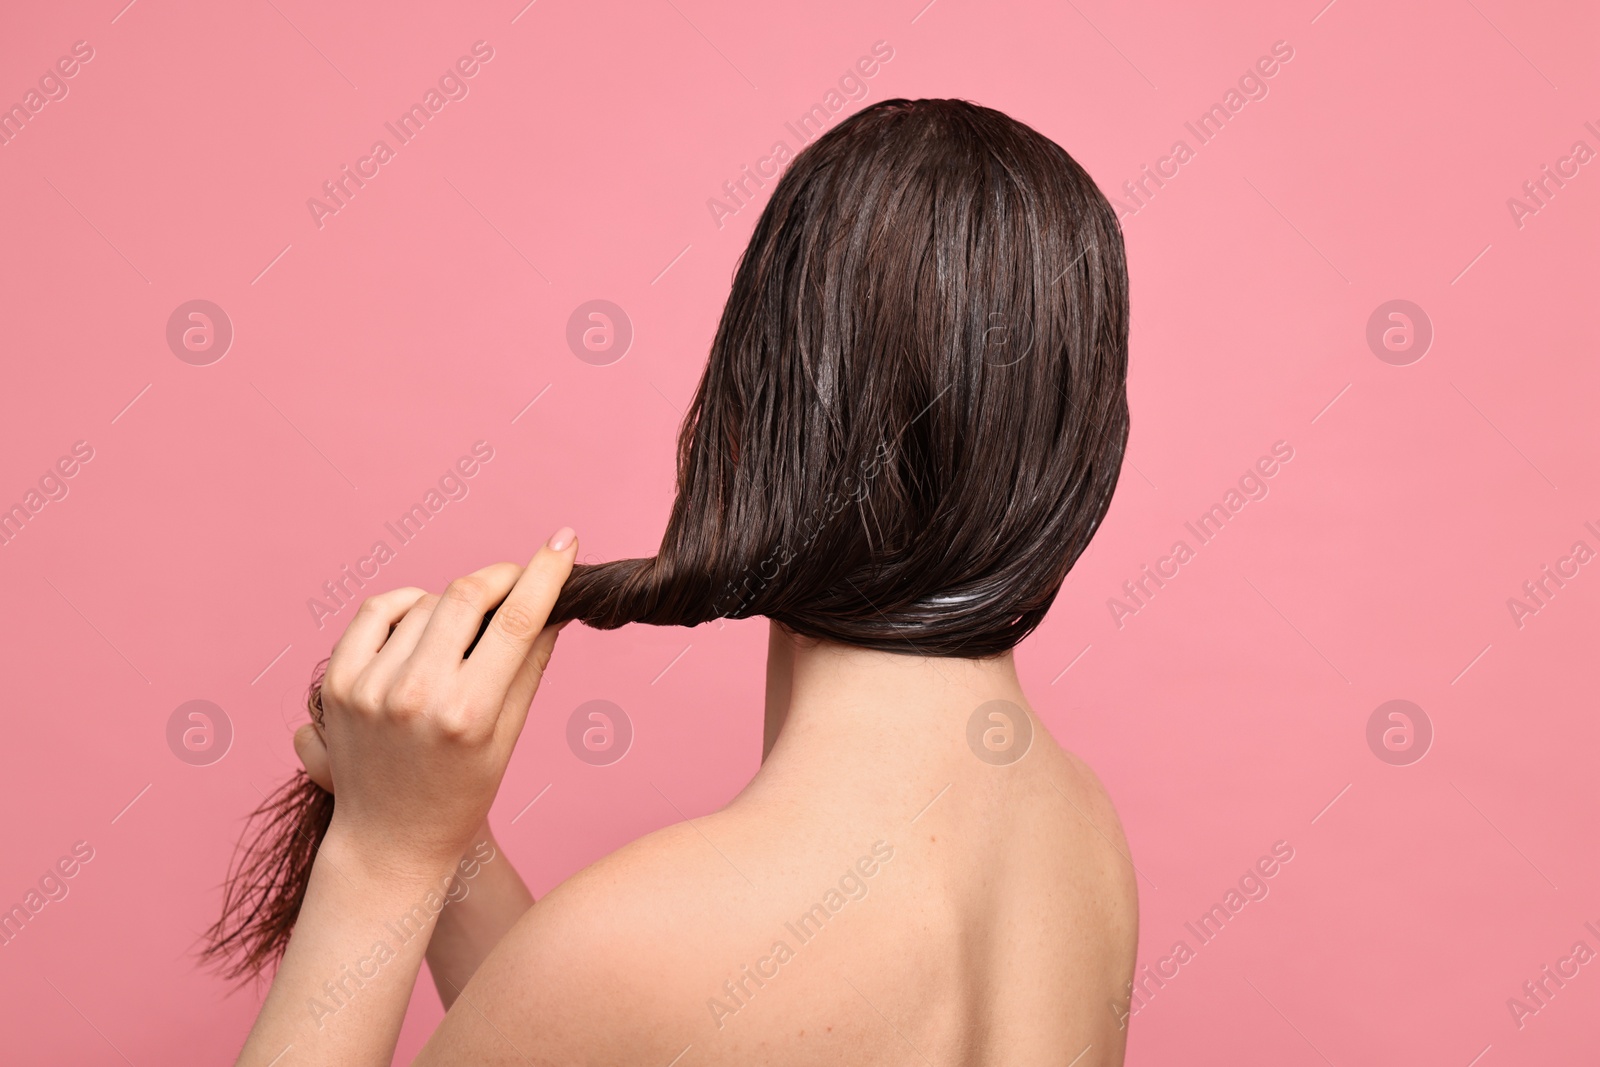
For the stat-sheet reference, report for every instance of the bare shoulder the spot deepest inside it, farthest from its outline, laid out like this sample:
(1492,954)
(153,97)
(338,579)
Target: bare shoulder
(1098,846)
(756,934)
(613,965)
(1081,787)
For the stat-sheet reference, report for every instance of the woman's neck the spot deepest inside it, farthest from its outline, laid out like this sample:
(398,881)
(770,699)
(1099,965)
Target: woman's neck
(858,721)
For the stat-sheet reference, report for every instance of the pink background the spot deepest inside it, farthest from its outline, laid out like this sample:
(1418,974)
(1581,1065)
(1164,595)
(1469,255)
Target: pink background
(371,353)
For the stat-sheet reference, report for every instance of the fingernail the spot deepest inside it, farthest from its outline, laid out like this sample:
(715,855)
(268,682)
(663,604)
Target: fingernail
(561,538)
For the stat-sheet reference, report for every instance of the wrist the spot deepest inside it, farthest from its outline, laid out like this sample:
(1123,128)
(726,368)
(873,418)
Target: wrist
(356,854)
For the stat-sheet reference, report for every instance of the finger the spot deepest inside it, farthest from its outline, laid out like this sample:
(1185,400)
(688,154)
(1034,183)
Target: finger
(313,753)
(367,632)
(532,670)
(520,620)
(526,683)
(403,641)
(458,614)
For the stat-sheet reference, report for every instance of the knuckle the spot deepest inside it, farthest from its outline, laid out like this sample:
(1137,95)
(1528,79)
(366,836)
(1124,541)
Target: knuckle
(464,723)
(468,589)
(366,696)
(336,682)
(516,621)
(455,725)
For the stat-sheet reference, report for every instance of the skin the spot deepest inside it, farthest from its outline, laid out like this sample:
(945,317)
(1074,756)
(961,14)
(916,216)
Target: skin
(967,912)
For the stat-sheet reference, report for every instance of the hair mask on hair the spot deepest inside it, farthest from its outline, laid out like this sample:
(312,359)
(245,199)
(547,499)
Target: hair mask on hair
(910,424)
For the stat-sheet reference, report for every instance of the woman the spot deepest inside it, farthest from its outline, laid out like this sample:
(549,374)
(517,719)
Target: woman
(910,425)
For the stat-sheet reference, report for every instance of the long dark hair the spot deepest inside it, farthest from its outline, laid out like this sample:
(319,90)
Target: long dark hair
(910,425)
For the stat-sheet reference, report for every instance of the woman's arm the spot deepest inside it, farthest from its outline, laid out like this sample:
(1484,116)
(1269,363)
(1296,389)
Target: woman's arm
(418,736)
(341,992)
(495,897)
(365,926)
(485,900)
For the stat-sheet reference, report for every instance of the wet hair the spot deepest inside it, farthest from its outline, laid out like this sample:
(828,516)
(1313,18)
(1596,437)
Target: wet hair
(910,425)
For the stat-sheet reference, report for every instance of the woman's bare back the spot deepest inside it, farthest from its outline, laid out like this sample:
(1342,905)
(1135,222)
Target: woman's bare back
(970,914)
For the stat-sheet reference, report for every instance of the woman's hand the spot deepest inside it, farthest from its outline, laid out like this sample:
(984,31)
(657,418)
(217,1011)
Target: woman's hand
(417,738)
(470,925)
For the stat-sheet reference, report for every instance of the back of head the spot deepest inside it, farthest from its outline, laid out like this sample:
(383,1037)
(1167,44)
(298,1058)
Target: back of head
(914,411)
(910,425)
